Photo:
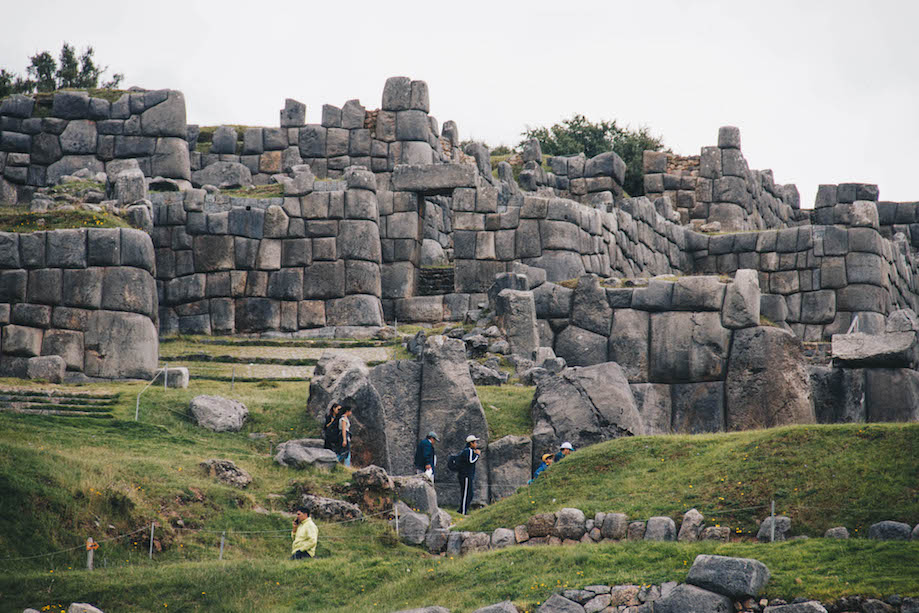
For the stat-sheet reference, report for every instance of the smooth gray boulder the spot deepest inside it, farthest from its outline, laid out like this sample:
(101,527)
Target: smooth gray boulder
(217,413)
(509,460)
(737,578)
(767,382)
(584,405)
(502,537)
(411,525)
(450,407)
(839,532)
(889,531)
(782,528)
(691,599)
(120,345)
(345,379)
(300,453)
(417,492)
(660,529)
(615,526)
(222,175)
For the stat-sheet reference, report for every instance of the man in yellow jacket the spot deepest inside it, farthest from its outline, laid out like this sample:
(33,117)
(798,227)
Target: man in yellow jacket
(305,535)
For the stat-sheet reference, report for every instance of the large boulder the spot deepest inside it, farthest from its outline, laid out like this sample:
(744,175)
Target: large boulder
(345,379)
(227,472)
(223,175)
(300,453)
(50,368)
(217,413)
(660,529)
(570,524)
(737,578)
(120,345)
(767,382)
(691,599)
(687,347)
(450,407)
(330,509)
(584,405)
(889,531)
(509,461)
(398,385)
(782,529)
(691,527)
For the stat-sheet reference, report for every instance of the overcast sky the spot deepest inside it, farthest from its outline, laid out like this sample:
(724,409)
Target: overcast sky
(823,91)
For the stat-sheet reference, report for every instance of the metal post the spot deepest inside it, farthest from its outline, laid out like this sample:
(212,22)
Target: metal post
(152,524)
(90,550)
(233,380)
(137,408)
(222,540)
(772,529)
(397,521)
(165,376)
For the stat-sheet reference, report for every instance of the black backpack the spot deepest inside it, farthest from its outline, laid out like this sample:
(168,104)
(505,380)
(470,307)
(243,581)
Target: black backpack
(453,462)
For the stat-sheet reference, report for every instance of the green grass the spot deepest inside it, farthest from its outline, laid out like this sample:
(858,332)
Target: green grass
(507,409)
(366,573)
(820,476)
(18,219)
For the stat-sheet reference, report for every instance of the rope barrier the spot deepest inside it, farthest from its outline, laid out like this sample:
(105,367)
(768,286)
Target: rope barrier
(53,553)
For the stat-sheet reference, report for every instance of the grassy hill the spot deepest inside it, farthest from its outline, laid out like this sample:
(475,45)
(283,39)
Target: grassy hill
(63,479)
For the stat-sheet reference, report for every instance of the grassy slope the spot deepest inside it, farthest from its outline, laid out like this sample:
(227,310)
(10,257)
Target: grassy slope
(58,476)
(821,476)
(19,219)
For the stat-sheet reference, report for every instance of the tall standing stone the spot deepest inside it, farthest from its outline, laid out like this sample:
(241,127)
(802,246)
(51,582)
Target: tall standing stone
(516,311)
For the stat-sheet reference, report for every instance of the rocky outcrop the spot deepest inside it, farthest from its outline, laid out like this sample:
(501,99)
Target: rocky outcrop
(329,509)
(583,405)
(301,453)
(767,382)
(227,472)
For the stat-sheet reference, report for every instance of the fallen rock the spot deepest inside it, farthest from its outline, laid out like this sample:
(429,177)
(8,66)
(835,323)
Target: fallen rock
(570,524)
(839,532)
(417,492)
(300,453)
(691,527)
(482,375)
(889,531)
(660,529)
(330,509)
(227,472)
(559,604)
(218,414)
(737,578)
(782,528)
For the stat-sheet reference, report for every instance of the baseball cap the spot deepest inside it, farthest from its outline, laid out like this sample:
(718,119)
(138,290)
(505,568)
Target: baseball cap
(433,435)
(566,445)
(471,437)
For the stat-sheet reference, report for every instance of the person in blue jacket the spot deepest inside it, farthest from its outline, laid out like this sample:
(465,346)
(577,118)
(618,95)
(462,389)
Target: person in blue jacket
(466,464)
(426,457)
(547,460)
(563,450)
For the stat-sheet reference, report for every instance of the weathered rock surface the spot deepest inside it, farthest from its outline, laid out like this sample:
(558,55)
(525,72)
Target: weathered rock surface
(767,382)
(691,599)
(889,531)
(300,453)
(508,465)
(412,526)
(218,414)
(417,492)
(782,528)
(584,405)
(887,350)
(738,578)
(227,471)
(330,509)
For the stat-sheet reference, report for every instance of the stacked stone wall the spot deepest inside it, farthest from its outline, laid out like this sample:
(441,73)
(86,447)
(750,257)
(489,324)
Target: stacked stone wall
(43,138)
(86,295)
(724,189)
(238,265)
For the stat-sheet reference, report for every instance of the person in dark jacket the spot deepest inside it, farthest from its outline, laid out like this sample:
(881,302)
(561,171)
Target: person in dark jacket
(330,433)
(466,462)
(563,450)
(426,457)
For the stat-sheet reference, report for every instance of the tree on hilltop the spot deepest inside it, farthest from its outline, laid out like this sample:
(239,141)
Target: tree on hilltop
(580,135)
(70,70)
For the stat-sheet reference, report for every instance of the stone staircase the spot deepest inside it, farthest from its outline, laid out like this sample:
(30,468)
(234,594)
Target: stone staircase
(59,403)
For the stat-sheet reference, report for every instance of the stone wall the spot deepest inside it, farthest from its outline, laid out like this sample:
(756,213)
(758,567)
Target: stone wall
(724,189)
(86,295)
(239,265)
(44,137)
